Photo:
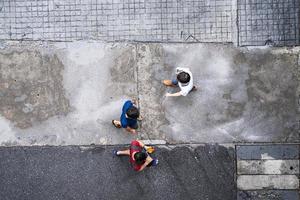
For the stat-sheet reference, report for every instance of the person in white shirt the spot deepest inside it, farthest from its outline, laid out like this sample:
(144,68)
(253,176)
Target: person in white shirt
(184,79)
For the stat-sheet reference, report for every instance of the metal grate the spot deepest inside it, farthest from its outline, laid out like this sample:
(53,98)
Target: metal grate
(268,21)
(114,20)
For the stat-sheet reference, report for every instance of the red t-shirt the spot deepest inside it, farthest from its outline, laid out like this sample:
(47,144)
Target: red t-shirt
(135,147)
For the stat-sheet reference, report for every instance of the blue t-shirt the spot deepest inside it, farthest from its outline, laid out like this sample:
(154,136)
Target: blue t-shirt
(127,121)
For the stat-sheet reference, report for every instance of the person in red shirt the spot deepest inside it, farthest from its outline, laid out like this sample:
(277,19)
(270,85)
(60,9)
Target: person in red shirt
(139,158)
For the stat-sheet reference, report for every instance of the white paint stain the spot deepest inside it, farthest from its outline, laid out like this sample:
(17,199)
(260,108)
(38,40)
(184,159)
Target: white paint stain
(266,156)
(256,182)
(273,167)
(6,133)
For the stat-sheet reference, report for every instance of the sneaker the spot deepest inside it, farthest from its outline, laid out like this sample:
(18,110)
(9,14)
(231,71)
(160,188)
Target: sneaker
(115,152)
(149,149)
(155,162)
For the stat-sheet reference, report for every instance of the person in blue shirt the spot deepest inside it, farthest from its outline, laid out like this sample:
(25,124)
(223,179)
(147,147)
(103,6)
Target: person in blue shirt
(130,115)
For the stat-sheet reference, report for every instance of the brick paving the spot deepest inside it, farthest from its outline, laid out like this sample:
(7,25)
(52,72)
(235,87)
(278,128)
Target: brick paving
(246,22)
(269,21)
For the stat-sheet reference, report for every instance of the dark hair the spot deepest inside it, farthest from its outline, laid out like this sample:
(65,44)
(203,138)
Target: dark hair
(140,157)
(133,112)
(183,77)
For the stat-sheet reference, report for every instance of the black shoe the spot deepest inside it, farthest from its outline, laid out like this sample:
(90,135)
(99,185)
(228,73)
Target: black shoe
(194,89)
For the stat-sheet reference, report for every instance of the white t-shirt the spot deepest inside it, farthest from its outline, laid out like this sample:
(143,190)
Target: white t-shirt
(185,87)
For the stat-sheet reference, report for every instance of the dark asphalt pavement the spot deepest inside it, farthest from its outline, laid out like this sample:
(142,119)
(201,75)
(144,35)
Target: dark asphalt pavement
(73,172)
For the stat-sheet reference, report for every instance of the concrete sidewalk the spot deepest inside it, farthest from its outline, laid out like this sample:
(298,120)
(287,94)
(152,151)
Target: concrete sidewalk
(68,93)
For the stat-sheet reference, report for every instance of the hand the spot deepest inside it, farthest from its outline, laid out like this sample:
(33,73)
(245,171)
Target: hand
(140,118)
(134,101)
(133,131)
(168,95)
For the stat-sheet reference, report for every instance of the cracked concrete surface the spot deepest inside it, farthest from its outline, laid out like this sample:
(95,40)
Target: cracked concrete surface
(31,87)
(96,79)
(68,93)
(243,95)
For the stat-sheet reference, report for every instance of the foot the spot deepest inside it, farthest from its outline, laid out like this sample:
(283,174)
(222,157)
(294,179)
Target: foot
(155,162)
(140,118)
(194,89)
(133,131)
(116,123)
(149,149)
(115,152)
(168,83)
(134,101)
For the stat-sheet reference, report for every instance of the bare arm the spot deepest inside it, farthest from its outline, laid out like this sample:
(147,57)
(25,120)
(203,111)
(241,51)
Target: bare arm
(134,101)
(141,143)
(148,160)
(177,94)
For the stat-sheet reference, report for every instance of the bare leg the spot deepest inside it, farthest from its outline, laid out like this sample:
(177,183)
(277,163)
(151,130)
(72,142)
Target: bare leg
(168,83)
(124,153)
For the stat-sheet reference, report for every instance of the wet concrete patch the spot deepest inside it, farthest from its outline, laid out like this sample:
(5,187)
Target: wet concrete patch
(243,95)
(31,87)
(272,89)
(93,78)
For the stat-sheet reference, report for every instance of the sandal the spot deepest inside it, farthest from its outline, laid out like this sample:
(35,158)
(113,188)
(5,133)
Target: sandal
(116,125)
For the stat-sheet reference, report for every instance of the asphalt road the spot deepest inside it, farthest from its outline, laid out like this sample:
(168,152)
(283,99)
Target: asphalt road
(92,172)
